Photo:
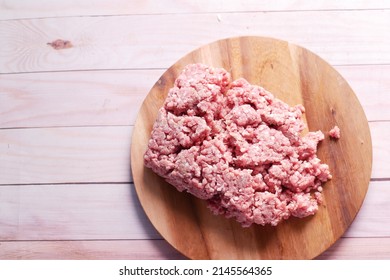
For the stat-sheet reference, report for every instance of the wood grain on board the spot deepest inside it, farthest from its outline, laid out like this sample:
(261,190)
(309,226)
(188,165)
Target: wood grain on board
(343,249)
(72,212)
(101,98)
(65,155)
(113,212)
(17,9)
(157,42)
(85,98)
(151,249)
(296,76)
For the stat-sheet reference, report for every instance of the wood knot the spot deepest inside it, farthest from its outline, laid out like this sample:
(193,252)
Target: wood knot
(60,44)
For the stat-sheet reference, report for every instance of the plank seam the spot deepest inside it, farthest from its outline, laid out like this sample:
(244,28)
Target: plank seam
(147,239)
(67,183)
(64,126)
(92,240)
(104,125)
(204,13)
(112,183)
(379,179)
(159,68)
(86,70)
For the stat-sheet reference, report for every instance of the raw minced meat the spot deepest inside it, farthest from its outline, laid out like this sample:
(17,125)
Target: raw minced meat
(335,132)
(238,147)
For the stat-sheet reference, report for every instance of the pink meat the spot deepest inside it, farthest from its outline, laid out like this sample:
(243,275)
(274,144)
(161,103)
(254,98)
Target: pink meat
(238,147)
(335,132)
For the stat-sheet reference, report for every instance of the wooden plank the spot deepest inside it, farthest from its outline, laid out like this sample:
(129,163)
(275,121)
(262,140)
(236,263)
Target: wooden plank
(374,216)
(65,155)
(371,86)
(344,249)
(72,212)
(89,250)
(45,8)
(74,98)
(380,134)
(102,154)
(125,42)
(358,249)
(114,97)
(112,211)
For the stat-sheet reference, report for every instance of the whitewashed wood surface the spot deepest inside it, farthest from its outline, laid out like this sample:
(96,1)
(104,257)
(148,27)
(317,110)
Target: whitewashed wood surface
(66,116)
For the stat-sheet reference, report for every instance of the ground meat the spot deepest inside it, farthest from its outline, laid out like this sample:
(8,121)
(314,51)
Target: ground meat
(238,147)
(335,132)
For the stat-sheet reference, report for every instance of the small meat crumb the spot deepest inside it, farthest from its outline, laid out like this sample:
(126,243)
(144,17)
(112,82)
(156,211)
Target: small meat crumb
(335,132)
(238,147)
(60,44)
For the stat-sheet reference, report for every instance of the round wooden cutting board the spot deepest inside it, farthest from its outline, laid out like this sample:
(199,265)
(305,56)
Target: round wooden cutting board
(296,76)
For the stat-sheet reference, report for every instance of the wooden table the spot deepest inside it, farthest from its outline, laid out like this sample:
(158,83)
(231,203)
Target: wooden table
(67,114)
